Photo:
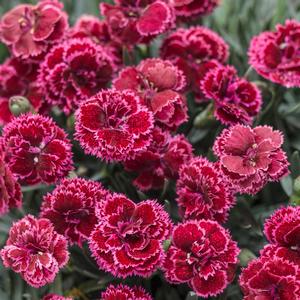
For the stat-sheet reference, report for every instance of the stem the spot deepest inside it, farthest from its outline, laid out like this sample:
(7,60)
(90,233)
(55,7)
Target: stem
(292,110)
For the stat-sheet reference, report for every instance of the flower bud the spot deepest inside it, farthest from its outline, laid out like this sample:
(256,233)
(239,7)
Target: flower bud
(19,105)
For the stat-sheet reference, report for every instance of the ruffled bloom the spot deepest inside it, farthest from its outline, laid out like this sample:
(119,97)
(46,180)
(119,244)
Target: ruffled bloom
(123,292)
(271,278)
(37,150)
(71,208)
(30,29)
(158,82)
(88,26)
(251,157)
(236,100)
(131,22)
(195,51)
(10,190)
(275,55)
(18,78)
(114,125)
(35,251)
(128,238)
(194,8)
(74,71)
(202,192)
(203,255)
(161,160)
(55,297)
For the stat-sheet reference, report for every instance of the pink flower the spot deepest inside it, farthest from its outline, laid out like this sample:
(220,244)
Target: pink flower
(236,100)
(35,250)
(114,125)
(123,292)
(10,190)
(283,228)
(18,78)
(203,255)
(202,192)
(275,55)
(37,150)
(132,22)
(251,157)
(55,297)
(71,208)
(74,71)
(30,29)
(161,160)
(128,238)
(195,51)
(271,278)
(158,82)
(194,8)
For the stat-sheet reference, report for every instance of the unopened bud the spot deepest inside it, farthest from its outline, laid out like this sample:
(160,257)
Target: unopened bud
(297,186)
(205,118)
(19,105)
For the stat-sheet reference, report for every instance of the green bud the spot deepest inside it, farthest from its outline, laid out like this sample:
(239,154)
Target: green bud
(297,186)
(205,118)
(19,105)
(246,256)
(166,245)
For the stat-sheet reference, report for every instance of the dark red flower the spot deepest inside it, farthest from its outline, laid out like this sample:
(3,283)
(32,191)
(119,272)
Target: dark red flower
(88,26)
(128,238)
(236,100)
(36,149)
(202,192)
(123,292)
(71,208)
(203,255)
(161,160)
(158,82)
(18,78)
(195,51)
(274,55)
(30,29)
(114,125)
(283,228)
(10,190)
(131,22)
(194,8)
(35,251)
(271,278)
(251,157)
(74,71)
(55,297)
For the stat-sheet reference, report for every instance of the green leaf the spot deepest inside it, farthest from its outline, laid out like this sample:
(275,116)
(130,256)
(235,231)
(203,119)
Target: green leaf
(295,165)
(287,184)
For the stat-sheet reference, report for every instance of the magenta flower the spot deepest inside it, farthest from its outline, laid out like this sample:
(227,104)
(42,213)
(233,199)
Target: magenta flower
(30,29)
(203,255)
(71,208)
(128,238)
(35,251)
(114,125)
(123,292)
(251,157)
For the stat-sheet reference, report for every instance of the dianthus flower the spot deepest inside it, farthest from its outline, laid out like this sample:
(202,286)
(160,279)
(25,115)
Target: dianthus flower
(35,250)
(10,190)
(88,26)
(202,192)
(236,100)
(123,292)
(29,30)
(18,78)
(128,238)
(71,208)
(161,160)
(203,255)
(194,8)
(271,278)
(195,51)
(74,71)
(114,125)
(158,82)
(132,22)
(37,150)
(55,297)
(274,55)
(250,157)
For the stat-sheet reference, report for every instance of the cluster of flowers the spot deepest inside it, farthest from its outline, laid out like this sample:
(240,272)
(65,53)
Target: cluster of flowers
(134,123)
